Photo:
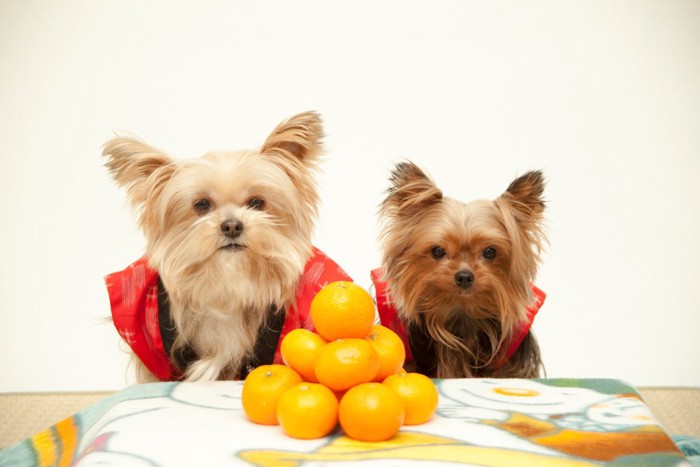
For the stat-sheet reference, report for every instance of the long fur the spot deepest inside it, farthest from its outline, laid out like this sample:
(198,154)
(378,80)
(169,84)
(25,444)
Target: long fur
(470,327)
(220,289)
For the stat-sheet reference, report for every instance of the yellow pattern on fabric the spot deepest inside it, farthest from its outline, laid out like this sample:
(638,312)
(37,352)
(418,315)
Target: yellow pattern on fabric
(45,448)
(407,446)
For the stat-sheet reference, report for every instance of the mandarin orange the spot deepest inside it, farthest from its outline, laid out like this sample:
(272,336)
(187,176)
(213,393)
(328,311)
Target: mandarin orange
(418,394)
(371,412)
(262,389)
(344,363)
(308,411)
(342,309)
(300,349)
(390,349)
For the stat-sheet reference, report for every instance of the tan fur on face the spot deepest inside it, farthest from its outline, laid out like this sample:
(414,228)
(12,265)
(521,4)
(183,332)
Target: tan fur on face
(219,296)
(470,327)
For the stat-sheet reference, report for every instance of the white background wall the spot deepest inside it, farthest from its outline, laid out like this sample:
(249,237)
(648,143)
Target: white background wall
(603,96)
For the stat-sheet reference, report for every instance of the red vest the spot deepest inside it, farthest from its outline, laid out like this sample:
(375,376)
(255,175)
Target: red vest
(390,317)
(133,295)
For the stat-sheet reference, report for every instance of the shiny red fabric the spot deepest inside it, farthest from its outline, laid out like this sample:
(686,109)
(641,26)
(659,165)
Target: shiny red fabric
(133,295)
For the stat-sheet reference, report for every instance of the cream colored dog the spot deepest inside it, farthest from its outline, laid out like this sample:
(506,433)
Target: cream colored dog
(229,235)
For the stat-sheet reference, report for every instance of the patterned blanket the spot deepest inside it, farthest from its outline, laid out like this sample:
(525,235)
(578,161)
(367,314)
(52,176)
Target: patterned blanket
(505,422)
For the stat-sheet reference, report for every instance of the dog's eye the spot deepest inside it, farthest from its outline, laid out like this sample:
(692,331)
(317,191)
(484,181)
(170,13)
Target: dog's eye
(256,203)
(489,253)
(438,252)
(202,206)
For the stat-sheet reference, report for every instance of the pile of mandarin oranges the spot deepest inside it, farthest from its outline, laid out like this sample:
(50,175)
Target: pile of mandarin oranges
(349,372)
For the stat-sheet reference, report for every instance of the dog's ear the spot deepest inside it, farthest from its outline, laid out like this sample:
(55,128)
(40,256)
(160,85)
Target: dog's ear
(299,137)
(522,206)
(524,195)
(411,190)
(142,169)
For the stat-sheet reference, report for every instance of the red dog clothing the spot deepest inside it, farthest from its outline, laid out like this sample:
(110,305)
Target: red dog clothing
(141,314)
(389,317)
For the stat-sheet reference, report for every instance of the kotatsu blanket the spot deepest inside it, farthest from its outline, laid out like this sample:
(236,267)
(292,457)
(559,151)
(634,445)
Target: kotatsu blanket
(479,422)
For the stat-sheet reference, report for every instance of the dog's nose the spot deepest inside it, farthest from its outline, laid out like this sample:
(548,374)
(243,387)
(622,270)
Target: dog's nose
(464,279)
(232,229)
